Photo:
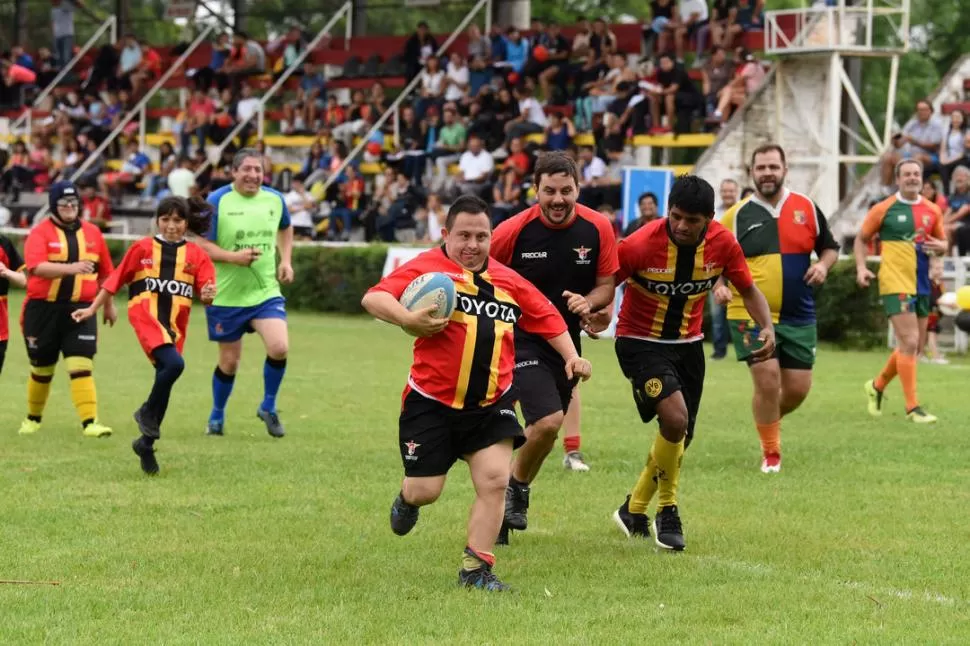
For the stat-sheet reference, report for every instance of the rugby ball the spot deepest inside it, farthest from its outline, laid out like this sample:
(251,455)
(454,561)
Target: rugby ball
(429,289)
(948,304)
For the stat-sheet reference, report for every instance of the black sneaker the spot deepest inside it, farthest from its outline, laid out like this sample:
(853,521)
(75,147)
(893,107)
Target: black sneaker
(272,421)
(147,455)
(482,578)
(404,516)
(147,424)
(667,529)
(637,525)
(517,506)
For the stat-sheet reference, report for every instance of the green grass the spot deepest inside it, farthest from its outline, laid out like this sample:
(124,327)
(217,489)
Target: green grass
(246,539)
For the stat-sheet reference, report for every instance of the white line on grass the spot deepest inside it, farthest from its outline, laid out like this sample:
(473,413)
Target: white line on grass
(766,570)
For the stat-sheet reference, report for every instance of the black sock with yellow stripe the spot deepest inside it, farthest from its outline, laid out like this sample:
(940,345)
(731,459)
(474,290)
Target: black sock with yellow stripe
(81,370)
(38,388)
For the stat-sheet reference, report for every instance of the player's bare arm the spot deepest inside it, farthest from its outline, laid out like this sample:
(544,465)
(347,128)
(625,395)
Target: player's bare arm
(757,306)
(243,257)
(17,278)
(421,323)
(599,297)
(284,242)
(60,269)
(819,271)
(862,273)
(103,297)
(576,366)
(722,293)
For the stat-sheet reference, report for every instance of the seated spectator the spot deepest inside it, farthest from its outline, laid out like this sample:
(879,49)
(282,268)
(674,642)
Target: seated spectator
(418,49)
(17,174)
(247,111)
(932,194)
(41,161)
(693,19)
(198,116)
(553,71)
(518,159)
(516,50)
(647,212)
(747,79)
(246,58)
(560,132)
(610,212)
(506,196)
(456,79)
(450,144)
(94,207)
(356,122)
(181,180)
(292,43)
(103,69)
(167,162)
(334,115)
(349,208)
(430,220)
(952,147)
(750,16)
(386,189)
(224,120)
(603,91)
(479,59)
(475,170)
(432,87)
(19,57)
(302,206)
(716,75)
(204,77)
(920,140)
(46,67)
(596,186)
(955,220)
(303,114)
(504,110)
(260,147)
(128,61)
(148,71)
(14,81)
(677,96)
(531,118)
(135,166)
(410,153)
(722,28)
(316,164)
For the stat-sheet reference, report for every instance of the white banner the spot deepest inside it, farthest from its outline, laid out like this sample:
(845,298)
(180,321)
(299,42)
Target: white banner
(397,256)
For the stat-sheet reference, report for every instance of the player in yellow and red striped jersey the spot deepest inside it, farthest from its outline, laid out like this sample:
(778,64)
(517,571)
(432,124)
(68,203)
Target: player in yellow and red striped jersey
(11,266)
(458,403)
(66,259)
(163,273)
(669,266)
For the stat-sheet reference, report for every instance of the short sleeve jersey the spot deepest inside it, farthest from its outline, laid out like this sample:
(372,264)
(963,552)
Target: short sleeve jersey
(667,283)
(11,259)
(162,279)
(50,242)
(902,227)
(778,243)
(240,222)
(557,259)
(469,364)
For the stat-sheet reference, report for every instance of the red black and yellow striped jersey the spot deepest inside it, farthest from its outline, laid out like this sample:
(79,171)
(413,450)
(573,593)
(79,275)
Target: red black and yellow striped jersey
(51,242)
(162,278)
(667,283)
(902,226)
(778,243)
(469,364)
(11,259)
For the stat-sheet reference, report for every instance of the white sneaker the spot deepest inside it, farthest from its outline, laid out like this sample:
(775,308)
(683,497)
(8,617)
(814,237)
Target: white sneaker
(573,461)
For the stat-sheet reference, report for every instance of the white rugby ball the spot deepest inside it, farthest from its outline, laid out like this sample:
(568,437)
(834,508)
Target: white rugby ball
(429,289)
(948,304)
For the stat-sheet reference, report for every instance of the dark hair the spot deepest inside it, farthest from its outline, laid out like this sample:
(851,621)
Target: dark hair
(240,157)
(746,192)
(768,148)
(692,194)
(555,162)
(194,210)
(469,204)
(649,194)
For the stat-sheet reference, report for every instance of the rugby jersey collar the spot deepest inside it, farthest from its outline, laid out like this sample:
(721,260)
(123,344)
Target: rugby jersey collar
(775,211)
(161,238)
(900,198)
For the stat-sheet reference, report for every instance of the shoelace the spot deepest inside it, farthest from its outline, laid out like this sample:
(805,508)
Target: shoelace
(669,522)
(489,581)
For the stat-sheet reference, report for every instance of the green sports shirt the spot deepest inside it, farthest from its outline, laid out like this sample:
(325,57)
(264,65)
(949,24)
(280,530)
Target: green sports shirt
(241,222)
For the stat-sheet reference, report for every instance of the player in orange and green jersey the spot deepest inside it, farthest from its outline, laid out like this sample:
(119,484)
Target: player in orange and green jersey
(910,229)
(778,230)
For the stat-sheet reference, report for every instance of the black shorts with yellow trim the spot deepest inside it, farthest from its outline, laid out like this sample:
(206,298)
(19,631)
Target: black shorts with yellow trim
(658,370)
(49,331)
(432,436)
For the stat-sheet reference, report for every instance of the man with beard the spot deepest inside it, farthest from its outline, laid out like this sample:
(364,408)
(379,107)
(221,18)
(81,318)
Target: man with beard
(458,403)
(778,230)
(568,251)
(910,230)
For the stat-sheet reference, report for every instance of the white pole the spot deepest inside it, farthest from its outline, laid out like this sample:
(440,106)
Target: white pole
(890,101)
(141,129)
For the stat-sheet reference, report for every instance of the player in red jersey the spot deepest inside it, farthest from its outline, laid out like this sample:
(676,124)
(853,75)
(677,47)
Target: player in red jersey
(669,266)
(11,265)
(568,251)
(163,273)
(65,259)
(458,404)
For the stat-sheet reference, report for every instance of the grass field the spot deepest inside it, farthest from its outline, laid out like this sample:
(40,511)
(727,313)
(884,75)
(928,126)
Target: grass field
(245,539)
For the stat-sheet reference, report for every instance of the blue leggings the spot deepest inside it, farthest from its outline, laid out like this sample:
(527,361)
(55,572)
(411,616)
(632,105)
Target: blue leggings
(168,368)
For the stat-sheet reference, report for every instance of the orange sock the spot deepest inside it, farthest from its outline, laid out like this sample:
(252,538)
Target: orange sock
(906,365)
(888,372)
(770,437)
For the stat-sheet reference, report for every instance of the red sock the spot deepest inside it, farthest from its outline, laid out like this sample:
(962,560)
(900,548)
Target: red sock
(571,443)
(485,557)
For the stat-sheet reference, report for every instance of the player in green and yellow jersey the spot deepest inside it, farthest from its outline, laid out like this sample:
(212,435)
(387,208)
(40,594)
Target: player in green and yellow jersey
(250,224)
(910,230)
(778,230)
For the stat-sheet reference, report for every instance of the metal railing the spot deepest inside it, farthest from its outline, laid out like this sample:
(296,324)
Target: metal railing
(409,88)
(26,118)
(138,110)
(346,10)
